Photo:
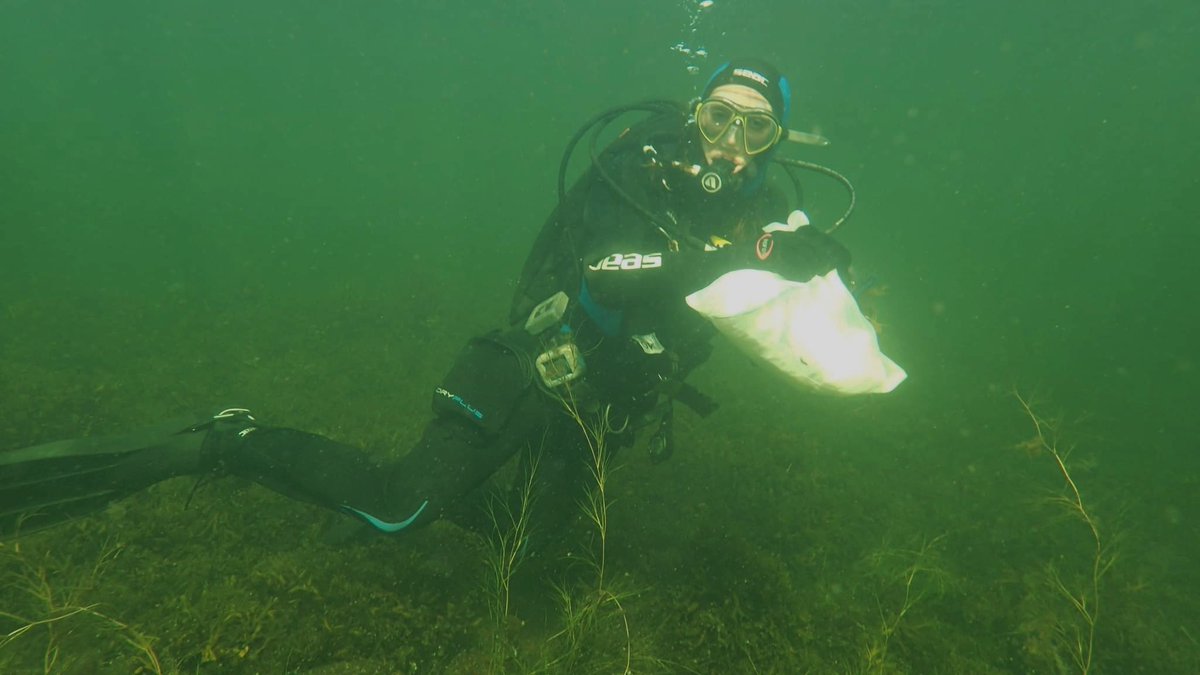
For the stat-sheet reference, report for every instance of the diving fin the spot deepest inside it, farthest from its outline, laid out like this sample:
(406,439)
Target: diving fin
(47,484)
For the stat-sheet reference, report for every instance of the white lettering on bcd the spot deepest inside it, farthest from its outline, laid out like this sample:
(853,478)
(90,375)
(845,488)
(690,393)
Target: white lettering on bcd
(628,261)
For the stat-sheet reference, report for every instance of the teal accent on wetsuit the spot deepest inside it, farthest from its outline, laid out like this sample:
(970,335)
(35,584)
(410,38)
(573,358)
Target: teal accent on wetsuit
(607,319)
(383,525)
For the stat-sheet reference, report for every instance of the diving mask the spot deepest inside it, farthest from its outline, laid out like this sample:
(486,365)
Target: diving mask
(760,129)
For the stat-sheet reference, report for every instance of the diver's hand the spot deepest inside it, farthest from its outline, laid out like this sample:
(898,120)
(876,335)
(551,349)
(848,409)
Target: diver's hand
(798,256)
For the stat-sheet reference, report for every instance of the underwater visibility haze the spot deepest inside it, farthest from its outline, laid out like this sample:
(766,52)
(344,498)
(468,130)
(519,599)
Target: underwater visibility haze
(307,208)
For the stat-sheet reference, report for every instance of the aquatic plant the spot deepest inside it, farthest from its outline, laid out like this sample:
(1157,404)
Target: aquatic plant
(54,607)
(582,610)
(509,512)
(917,575)
(1078,634)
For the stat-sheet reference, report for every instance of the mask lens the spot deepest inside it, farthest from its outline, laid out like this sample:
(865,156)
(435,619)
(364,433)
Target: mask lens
(714,118)
(761,132)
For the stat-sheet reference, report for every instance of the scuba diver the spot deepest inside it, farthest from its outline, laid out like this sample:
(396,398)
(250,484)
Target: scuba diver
(600,331)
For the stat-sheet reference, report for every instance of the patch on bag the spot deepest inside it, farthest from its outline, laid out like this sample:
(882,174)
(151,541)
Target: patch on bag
(763,248)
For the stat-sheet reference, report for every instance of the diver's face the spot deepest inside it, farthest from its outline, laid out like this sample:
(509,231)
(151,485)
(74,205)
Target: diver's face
(730,146)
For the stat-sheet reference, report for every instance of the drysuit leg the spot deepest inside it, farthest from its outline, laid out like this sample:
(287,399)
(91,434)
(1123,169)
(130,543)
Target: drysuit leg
(486,410)
(451,459)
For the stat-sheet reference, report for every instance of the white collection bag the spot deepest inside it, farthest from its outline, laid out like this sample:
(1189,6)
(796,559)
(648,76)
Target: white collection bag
(812,331)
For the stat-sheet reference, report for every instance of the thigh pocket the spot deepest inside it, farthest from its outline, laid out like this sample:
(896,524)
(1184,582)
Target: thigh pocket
(484,385)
